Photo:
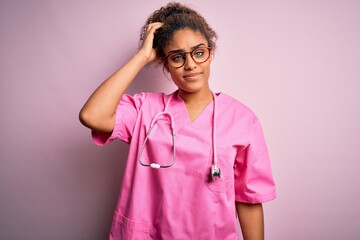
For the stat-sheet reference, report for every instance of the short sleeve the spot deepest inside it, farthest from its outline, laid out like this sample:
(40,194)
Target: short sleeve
(254,182)
(125,119)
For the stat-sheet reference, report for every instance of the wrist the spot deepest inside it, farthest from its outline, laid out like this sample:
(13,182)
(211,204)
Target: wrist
(144,57)
(140,58)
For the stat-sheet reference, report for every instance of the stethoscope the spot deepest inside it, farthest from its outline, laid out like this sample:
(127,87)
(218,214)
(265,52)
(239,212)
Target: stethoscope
(215,170)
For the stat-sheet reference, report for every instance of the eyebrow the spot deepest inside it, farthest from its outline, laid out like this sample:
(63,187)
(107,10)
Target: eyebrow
(182,51)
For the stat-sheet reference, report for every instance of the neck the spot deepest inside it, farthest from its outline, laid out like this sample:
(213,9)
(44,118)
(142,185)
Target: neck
(194,98)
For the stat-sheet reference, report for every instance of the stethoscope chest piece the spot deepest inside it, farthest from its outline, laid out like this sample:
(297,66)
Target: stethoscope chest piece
(215,172)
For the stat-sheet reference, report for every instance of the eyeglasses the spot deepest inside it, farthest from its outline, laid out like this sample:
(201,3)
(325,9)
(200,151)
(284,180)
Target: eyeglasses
(199,55)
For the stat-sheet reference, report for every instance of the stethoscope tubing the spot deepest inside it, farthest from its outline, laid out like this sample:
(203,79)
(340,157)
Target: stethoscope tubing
(152,124)
(172,126)
(156,165)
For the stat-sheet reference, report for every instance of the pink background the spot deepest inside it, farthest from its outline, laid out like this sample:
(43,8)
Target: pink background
(295,63)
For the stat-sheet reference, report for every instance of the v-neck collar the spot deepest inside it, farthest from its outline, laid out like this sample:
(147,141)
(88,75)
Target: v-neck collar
(178,109)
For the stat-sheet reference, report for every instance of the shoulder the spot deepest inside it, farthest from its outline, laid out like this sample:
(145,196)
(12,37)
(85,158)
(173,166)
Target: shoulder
(143,97)
(230,105)
(145,100)
(147,95)
(153,97)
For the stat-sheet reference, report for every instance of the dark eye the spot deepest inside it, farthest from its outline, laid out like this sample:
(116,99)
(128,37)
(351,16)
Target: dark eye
(199,53)
(177,58)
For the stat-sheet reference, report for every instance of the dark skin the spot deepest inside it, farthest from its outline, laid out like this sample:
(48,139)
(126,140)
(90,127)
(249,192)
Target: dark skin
(98,113)
(251,219)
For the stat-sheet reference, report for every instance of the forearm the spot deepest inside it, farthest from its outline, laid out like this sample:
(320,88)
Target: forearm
(251,218)
(99,110)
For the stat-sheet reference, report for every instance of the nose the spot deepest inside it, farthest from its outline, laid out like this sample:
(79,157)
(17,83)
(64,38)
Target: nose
(189,62)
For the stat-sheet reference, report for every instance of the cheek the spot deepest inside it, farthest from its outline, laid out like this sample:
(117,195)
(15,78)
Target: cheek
(174,74)
(207,69)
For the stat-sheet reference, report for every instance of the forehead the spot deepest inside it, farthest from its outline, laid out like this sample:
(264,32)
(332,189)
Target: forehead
(185,39)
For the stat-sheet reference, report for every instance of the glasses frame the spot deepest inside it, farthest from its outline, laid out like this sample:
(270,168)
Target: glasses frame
(191,55)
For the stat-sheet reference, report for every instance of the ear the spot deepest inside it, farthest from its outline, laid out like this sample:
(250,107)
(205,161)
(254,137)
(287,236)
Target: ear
(165,66)
(211,57)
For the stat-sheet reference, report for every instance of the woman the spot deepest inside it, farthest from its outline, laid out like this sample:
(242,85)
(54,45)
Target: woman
(190,185)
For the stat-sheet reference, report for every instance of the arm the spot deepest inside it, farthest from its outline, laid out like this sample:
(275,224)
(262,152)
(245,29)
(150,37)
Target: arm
(251,220)
(98,113)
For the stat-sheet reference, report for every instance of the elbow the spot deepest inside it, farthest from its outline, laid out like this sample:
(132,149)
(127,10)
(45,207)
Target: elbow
(96,122)
(88,118)
(84,118)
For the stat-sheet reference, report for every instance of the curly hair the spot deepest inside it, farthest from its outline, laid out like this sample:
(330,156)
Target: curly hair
(174,17)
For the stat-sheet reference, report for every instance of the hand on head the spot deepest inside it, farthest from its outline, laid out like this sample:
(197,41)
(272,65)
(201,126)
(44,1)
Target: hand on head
(147,49)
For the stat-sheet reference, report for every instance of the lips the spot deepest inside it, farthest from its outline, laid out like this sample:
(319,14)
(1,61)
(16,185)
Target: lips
(191,75)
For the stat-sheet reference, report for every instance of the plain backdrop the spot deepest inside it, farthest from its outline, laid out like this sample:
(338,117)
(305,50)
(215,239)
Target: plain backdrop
(296,63)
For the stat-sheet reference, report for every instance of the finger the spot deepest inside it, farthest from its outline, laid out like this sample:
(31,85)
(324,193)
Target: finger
(152,27)
(147,45)
(150,31)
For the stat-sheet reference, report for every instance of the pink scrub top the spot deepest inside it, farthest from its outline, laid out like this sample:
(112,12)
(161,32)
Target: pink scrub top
(182,202)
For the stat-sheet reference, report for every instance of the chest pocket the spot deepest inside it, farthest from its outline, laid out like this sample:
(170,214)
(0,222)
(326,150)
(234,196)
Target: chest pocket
(224,184)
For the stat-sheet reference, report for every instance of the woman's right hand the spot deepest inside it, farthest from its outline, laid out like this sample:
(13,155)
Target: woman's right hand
(147,51)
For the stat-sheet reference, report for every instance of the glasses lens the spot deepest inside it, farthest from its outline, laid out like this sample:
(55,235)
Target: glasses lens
(176,60)
(199,55)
